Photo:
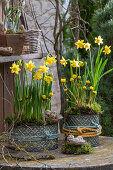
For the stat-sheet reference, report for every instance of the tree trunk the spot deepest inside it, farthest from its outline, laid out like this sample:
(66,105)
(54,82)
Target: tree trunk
(75,12)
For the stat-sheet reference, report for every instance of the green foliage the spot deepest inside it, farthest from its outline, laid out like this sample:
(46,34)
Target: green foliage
(105,98)
(12,15)
(87,9)
(103,25)
(103,22)
(96,107)
(83,149)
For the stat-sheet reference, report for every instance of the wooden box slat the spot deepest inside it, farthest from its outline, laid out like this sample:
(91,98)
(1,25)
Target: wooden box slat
(0,11)
(8,89)
(1,99)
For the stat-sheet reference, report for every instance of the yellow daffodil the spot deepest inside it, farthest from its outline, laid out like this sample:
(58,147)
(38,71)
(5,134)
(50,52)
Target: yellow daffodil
(30,65)
(79,44)
(15,68)
(95,92)
(87,46)
(71,79)
(74,76)
(63,80)
(19,62)
(48,79)
(51,94)
(98,40)
(50,60)
(79,77)
(75,63)
(43,69)
(87,82)
(91,88)
(44,97)
(107,50)
(67,100)
(65,90)
(54,59)
(84,87)
(37,76)
(81,63)
(63,61)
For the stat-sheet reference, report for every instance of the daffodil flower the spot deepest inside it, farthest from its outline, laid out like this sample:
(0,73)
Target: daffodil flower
(84,87)
(87,46)
(50,60)
(15,68)
(75,63)
(48,79)
(98,40)
(81,63)
(74,76)
(44,97)
(37,76)
(65,90)
(91,88)
(43,69)
(79,77)
(63,61)
(87,82)
(63,80)
(95,92)
(30,66)
(71,79)
(79,44)
(107,50)
(51,94)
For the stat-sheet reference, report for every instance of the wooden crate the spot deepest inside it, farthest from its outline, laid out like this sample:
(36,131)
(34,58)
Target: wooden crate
(6,89)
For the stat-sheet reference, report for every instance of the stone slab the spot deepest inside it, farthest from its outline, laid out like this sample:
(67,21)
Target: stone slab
(6,59)
(100,159)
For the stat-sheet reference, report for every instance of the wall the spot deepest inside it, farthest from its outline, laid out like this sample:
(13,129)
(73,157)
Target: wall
(45,12)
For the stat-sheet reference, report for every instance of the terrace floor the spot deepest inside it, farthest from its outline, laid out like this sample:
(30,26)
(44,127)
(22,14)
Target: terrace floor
(100,159)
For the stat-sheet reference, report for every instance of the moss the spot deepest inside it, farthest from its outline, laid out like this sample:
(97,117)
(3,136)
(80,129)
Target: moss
(83,149)
(25,121)
(87,109)
(11,31)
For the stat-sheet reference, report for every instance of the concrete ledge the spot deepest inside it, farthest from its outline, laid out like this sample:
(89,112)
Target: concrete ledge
(101,159)
(6,59)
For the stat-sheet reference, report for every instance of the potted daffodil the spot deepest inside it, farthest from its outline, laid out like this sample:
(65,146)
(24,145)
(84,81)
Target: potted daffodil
(35,126)
(80,89)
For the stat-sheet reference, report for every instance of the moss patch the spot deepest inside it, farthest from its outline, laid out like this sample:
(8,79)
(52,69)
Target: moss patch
(83,149)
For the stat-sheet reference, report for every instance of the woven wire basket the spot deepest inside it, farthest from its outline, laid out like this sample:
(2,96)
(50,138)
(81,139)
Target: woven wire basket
(32,40)
(36,138)
(85,121)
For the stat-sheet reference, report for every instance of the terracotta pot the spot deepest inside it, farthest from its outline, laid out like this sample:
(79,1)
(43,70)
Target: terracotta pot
(3,41)
(16,42)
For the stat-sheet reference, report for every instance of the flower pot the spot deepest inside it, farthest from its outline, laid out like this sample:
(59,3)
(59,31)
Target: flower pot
(16,42)
(36,138)
(3,41)
(84,121)
(32,40)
